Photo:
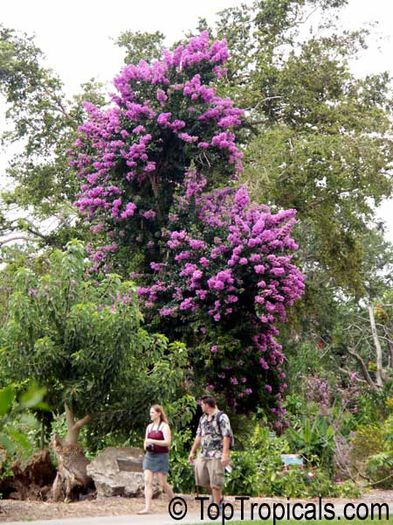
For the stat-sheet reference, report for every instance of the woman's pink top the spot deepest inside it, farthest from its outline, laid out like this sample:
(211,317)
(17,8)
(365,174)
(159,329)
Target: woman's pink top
(158,434)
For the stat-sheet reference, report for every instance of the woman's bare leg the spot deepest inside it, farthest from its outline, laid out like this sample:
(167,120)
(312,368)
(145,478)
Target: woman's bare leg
(148,492)
(165,485)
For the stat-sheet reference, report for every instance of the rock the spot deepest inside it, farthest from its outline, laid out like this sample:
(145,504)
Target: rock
(119,472)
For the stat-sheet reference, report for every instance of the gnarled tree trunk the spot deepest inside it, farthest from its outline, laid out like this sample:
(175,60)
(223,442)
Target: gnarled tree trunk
(71,478)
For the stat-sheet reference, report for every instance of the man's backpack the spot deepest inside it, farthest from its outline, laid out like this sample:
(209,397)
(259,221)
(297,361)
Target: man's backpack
(231,437)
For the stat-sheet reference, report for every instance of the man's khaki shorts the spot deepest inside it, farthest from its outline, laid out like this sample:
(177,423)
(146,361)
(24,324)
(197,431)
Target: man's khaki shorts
(209,473)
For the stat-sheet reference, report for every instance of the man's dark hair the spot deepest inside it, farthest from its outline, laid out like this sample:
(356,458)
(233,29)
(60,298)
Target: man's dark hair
(208,400)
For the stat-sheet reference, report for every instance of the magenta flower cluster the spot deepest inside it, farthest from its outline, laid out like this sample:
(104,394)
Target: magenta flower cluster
(318,390)
(166,105)
(145,165)
(239,264)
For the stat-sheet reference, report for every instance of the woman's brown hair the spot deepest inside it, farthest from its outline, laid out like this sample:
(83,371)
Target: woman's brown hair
(161,411)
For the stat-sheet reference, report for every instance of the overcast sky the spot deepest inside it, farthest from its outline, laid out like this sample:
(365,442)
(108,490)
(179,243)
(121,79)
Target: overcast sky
(76,35)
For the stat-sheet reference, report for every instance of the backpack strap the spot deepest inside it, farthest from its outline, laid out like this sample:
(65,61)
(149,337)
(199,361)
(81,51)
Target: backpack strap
(218,417)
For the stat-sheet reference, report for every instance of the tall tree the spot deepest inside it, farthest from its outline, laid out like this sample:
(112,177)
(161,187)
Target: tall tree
(37,205)
(320,138)
(133,158)
(82,339)
(150,167)
(319,141)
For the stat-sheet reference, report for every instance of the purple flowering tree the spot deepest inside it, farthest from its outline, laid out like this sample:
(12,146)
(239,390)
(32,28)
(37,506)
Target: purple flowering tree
(228,275)
(157,174)
(132,157)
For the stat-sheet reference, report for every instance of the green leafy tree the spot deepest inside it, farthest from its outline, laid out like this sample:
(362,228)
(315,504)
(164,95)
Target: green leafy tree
(141,45)
(320,138)
(36,208)
(319,141)
(83,341)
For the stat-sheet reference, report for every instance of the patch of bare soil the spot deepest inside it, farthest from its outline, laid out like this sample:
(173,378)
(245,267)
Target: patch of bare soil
(11,510)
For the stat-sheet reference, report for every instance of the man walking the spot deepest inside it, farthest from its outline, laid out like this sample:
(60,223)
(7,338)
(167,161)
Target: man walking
(214,436)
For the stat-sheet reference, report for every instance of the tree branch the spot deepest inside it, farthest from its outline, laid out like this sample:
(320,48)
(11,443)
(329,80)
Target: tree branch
(69,416)
(81,422)
(363,366)
(15,238)
(349,372)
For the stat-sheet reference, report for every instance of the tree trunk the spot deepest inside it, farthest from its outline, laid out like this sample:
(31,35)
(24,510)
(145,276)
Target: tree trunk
(390,349)
(71,479)
(380,375)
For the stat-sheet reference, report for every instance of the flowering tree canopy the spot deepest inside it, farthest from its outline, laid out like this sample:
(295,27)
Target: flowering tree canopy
(228,272)
(132,157)
(152,169)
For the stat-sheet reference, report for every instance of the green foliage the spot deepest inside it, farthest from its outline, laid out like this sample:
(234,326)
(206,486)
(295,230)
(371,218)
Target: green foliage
(326,177)
(372,452)
(245,477)
(379,467)
(7,395)
(17,423)
(141,46)
(181,474)
(258,470)
(43,123)
(298,483)
(314,439)
(62,331)
(82,339)
(372,407)
(181,411)
(307,358)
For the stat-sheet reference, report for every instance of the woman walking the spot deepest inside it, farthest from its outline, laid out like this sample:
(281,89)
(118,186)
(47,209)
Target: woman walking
(156,460)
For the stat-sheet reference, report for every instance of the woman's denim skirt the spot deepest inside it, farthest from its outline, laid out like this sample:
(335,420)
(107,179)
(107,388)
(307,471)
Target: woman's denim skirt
(156,462)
